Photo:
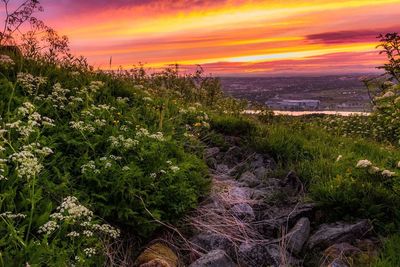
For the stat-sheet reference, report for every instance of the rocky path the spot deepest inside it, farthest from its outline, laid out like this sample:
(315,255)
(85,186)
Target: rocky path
(252,219)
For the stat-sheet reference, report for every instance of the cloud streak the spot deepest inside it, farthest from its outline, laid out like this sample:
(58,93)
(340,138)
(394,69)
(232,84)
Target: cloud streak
(262,35)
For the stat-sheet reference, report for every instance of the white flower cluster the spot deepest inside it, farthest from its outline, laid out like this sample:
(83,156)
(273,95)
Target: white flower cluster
(48,228)
(11,215)
(27,161)
(172,167)
(6,61)
(89,252)
(373,169)
(364,163)
(79,217)
(106,163)
(82,126)
(33,120)
(30,83)
(59,97)
(143,132)
(122,142)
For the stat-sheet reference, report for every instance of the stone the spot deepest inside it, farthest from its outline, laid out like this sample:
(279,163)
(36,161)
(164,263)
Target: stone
(211,241)
(222,168)
(272,220)
(240,193)
(215,258)
(298,235)
(243,211)
(157,254)
(233,156)
(212,163)
(259,255)
(257,162)
(211,152)
(341,249)
(292,184)
(249,179)
(329,234)
(260,173)
(338,263)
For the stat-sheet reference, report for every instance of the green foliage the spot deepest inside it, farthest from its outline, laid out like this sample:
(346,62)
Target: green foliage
(235,125)
(390,256)
(327,165)
(116,148)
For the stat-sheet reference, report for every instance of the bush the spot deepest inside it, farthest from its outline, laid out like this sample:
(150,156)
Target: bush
(233,125)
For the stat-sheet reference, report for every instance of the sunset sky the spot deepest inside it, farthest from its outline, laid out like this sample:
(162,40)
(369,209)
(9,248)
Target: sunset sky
(228,37)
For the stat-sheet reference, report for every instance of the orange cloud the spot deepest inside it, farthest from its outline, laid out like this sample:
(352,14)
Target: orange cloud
(225,33)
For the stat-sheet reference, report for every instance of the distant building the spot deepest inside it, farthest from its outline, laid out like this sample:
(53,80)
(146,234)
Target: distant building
(300,104)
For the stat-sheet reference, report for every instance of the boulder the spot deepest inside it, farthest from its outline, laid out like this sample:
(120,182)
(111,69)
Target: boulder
(258,161)
(215,258)
(260,173)
(329,234)
(222,168)
(298,235)
(233,156)
(212,163)
(338,263)
(211,241)
(249,179)
(240,193)
(243,211)
(211,152)
(259,255)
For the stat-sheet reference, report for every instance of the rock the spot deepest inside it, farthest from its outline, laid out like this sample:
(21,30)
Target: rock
(340,250)
(211,241)
(212,163)
(243,211)
(329,234)
(233,156)
(158,254)
(215,258)
(298,235)
(222,168)
(338,263)
(257,162)
(271,221)
(258,255)
(240,193)
(292,184)
(211,152)
(249,179)
(260,173)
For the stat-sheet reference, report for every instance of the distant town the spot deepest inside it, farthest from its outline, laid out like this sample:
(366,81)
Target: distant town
(336,92)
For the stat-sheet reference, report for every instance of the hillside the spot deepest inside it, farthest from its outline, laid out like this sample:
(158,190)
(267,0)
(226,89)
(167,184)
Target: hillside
(96,167)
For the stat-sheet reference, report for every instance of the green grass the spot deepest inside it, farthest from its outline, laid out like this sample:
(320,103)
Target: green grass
(346,191)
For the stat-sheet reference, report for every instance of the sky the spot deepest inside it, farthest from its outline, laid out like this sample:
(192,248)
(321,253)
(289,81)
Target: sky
(228,37)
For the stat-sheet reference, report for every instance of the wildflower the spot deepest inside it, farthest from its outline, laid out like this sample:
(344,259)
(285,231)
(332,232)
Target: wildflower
(387,173)
(6,61)
(373,170)
(153,175)
(126,168)
(174,168)
(30,83)
(48,228)
(73,234)
(10,215)
(363,163)
(89,252)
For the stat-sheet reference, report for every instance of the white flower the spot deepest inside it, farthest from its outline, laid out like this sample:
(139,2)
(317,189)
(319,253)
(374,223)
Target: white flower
(10,215)
(174,168)
(89,252)
(126,168)
(373,170)
(6,61)
(363,163)
(388,173)
(339,158)
(48,228)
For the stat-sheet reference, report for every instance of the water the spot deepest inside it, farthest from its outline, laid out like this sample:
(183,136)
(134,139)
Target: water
(300,113)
